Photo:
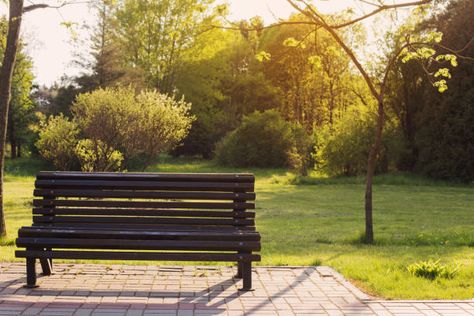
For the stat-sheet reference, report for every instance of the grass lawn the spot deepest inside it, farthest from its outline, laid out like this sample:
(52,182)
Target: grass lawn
(320,221)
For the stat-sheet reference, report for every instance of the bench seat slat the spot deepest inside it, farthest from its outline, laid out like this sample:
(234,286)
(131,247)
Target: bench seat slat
(142,204)
(138,212)
(120,255)
(86,232)
(146,185)
(188,177)
(150,227)
(145,194)
(143,220)
(81,243)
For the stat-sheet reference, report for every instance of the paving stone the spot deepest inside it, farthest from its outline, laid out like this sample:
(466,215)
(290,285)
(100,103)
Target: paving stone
(106,290)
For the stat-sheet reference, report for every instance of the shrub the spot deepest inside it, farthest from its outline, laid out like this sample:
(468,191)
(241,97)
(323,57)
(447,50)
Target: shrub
(162,124)
(138,127)
(58,137)
(95,155)
(264,139)
(344,148)
(431,270)
(118,126)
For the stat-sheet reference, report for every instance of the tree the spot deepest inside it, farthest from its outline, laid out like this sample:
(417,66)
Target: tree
(312,72)
(6,74)
(219,76)
(154,34)
(16,11)
(104,61)
(22,108)
(445,124)
(413,46)
(21,104)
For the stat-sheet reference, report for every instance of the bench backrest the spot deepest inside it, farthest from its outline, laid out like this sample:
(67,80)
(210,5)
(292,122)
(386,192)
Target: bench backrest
(145,200)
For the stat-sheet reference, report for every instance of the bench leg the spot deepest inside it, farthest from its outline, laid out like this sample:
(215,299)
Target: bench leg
(247,276)
(46,266)
(31,273)
(239,270)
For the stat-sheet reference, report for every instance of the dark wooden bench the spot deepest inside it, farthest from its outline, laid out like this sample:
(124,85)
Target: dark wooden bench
(141,216)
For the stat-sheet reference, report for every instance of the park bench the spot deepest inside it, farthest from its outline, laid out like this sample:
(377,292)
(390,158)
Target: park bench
(141,216)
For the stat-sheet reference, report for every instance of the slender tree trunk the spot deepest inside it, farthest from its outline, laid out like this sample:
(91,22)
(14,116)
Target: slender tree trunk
(12,138)
(6,74)
(13,147)
(371,163)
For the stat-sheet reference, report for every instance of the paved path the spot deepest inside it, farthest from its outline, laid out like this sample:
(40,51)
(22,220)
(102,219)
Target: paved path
(77,289)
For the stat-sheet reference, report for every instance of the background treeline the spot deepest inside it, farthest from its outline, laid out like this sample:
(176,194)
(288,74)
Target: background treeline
(285,96)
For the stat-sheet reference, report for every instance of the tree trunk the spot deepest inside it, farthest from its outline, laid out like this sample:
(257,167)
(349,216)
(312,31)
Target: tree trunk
(371,163)
(13,147)
(12,138)
(6,73)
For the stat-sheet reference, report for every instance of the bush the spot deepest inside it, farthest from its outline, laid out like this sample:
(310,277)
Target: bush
(118,127)
(58,137)
(264,139)
(344,148)
(432,270)
(143,125)
(95,155)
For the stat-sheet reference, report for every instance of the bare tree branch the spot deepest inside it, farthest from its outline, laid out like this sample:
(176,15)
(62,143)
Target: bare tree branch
(371,3)
(36,6)
(318,19)
(380,9)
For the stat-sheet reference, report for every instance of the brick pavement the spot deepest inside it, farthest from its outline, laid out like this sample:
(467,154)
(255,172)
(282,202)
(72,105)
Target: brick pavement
(88,289)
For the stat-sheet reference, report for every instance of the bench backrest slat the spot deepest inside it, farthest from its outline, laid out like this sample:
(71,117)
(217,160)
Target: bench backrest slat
(144,200)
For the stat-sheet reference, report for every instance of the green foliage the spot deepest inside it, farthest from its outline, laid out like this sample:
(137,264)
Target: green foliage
(162,123)
(95,155)
(263,140)
(445,125)
(118,127)
(263,56)
(219,77)
(343,150)
(439,128)
(432,270)
(22,108)
(311,72)
(301,155)
(145,124)
(153,35)
(58,137)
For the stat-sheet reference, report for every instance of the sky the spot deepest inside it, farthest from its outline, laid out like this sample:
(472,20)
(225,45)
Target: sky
(52,48)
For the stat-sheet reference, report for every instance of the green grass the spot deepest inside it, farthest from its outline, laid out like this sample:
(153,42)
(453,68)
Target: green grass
(308,221)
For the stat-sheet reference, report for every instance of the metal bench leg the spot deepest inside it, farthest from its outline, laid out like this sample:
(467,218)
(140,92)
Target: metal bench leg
(46,266)
(31,273)
(239,270)
(247,276)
